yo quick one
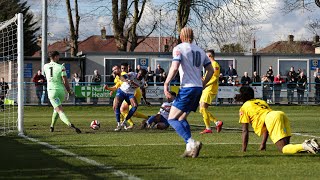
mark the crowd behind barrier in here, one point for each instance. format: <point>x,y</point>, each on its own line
<point>280,95</point>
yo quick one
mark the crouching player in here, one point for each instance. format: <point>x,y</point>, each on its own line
<point>160,120</point>
<point>266,122</point>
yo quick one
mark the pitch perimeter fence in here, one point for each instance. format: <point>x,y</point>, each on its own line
<point>87,94</point>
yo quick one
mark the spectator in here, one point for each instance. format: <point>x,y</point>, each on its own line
<point>129,68</point>
<point>230,82</point>
<point>270,74</point>
<point>267,91</point>
<point>39,81</point>
<point>291,85</point>
<point>4,87</point>
<point>293,73</point>
<point>231,71</point>
<point>76,81</point>
<point>159,71</point>
<point>138,68</point>
<point>245,80</point>
<point>96,81</point>
<point>256,80</point>
<point>317,86</point>
<point>316,72</point>
<point>301,86</point>
<point>163,77</point>
<point>278,81</point>
<point>150,75</point>
<point>222,82</point>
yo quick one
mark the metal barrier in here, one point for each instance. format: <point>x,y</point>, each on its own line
<point>155,96</point>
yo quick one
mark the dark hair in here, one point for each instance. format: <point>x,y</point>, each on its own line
<point>53,54</point>
<point>211,51</point>
<point>124,64</point>
<point>173,93</point>
<point>246,93</point>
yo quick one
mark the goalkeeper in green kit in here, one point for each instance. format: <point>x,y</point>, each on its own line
<point>56,82</point>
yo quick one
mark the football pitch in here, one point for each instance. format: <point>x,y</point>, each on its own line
<point>151,154</point>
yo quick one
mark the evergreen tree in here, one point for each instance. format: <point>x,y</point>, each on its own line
<point>8,10</point>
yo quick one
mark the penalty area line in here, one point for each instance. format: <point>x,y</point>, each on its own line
<point>84,159</point>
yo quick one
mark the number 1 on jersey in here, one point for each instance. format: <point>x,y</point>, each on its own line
<point>51,71</point>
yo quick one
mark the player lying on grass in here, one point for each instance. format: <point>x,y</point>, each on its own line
<point>131,81</point>
<point>266,122</point>
<point>160,120</point>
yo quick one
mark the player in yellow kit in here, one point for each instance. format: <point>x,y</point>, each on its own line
<point>208,95</point>
<point>266,122</point>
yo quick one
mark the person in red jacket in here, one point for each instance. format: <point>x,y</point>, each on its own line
<point>39,81</point>
<point>278,81</point>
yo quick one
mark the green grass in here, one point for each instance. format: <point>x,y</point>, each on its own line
<point>153,154</point>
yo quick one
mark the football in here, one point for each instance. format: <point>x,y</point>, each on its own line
<point>95,125</point>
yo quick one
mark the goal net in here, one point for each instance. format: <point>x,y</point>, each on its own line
<point>11,75</point>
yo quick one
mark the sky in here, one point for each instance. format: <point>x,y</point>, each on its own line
<point>274,24</point>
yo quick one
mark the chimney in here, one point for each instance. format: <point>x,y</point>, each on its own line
<point>166,46</point>
<point>290,38</point>
<point>103,33</point>
<point>316,39</point>
<point>254,50</point>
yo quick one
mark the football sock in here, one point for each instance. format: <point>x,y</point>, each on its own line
<point>130,122</point>
<point>140,115</point>
<point>131,112</point>
<point>180,129</point>
<point>205,116</point>
<point>122,116</point>
<point>292,148</point>
<point>55,117</point>
<point>186,125</point>
<point>151,119</point>
<point>118,114</point>
<point>64,118</point>
<point>211,117</point>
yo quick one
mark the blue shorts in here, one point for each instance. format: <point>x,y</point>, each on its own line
<point>188,99</point>
<point>124,96</point>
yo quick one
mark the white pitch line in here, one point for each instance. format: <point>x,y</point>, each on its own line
<point>84,159</point>
<point>306,135</point>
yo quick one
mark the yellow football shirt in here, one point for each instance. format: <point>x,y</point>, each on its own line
<point>117,81</point>
<point>213,84</point>
<point>254,112</point>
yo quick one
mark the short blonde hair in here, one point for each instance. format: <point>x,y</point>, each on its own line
<point>186,35</point>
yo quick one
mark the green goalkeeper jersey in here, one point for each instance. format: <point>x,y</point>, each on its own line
<point>54,72</point>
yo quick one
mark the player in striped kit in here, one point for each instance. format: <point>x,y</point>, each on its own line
<point>188,59</point>
<point>125,92</point>
<point>160,121</point>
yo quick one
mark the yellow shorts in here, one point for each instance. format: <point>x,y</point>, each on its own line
<point>278,125</point>
<point>207,97</point>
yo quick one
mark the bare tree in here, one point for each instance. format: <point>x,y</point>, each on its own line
<point>74,27</point>
<point>125,23</point>
<point>218,22</point>
<point>291,5</point>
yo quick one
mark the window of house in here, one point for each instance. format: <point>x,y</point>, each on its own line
<point>285,64</point>
<point>224,64</point>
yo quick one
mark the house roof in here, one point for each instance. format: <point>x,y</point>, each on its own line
<point>289,47</point>
<point>97,44</point>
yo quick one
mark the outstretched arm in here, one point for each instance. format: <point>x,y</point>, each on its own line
<point>245,136</point>
<point>265,136</point>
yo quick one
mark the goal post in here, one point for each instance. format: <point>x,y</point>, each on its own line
<point>12,75</point>
<point>20,74</point>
